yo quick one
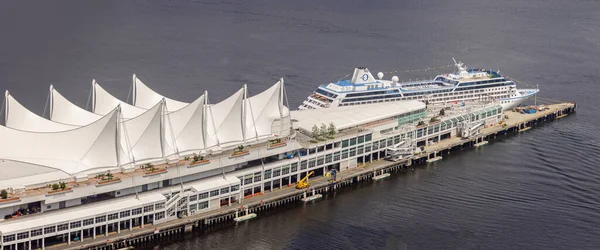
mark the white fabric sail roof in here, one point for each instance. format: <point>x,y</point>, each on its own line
<point>112,141</point>
<point>103,102</point>
<point>224,122</point>
<point>144,135</point>
<point>188,127</point>
<point>262,110</point>
<point>144,97</point>
<point>73,151</point>
<point>64,111</point>
<point>19,117</point>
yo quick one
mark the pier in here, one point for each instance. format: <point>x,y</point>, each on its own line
<point>251,207</point>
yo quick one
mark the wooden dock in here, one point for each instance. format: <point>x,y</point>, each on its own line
<point>319,185</point>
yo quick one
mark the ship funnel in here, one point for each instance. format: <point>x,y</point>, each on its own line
<point>362,75</point>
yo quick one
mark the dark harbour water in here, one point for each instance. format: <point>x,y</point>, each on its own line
<point>535,190</point>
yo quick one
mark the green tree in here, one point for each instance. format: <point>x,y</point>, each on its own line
<point>420,123</point>
<point>442,112</point>
<point>331,129</point>
<point>55,186</point>
<point>433,119</point>
<point>3,194</point>
<point>323,131</point>
<point>62,185</point>
<point>315,132</point>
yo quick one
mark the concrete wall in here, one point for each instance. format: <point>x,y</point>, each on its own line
<point>214,203</point>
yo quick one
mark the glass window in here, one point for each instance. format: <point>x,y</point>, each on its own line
<point>148,208</point>
<point>352,141</point>
<point>359,149</point>
<point>125,214</point>
<point>285,170</point>
<point>276,172</point>
<point>159,216</point>
<point>214,193</point>
<point>225,190</point>
<point>193,197</point>
<point>320,160</point>
<point>344,143</point>
<point>21,236</point>
<point>76,224</point>
<point>205,195</point>
<point>88,222</point>
<point>257,178</point>
<point>303,165</point>
<point>235,188</point>
<point>193,207</point>
<point>294,167</point>
<point>113,216</point>
<point>344,153</point>
<point>361,139</point>
<point>202,205</point>
<point>160,206</point>
<point>247,181</point>
<point>62,227</point>
<point>8,238</point>
<point>368,137</point>
<point>336,156</point>
<point>36,232</point>
<point>311,164</point>
<point>100,219</point>
<point>328,158</point>
<point>138,210</point>
<point>367,148</point>
<point>352,152</point>
<point>268,174</point>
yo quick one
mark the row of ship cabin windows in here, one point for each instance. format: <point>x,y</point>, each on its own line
<point>446,92</point>
<point>371,95</point>
<point>87,222</point>
<point>433,97</point>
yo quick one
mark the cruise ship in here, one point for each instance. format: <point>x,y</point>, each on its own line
<point>467,84</point>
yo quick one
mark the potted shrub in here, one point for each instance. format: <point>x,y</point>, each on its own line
<point>62,185</point>
<point>240,150</point>
<point>3,194</point>
<point>55,187</point>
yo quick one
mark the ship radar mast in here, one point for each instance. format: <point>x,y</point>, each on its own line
<point>462,70</point>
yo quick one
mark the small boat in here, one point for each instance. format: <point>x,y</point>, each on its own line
<point>245,217</point>
<point>524,129</point>
<point>312,197</point>
<point>481,143</point>
<point>434,159</point>
<point>381,176</point>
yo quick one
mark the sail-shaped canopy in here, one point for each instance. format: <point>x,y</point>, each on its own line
<point>73,151</point>
<point>64,111</point>
<point>262,110</point>
<point>103,102</point>
<point>144,135</point>
<point>188,126</point>
<point>21,118</point>
<point>144,97</point>
<point>224,124</point>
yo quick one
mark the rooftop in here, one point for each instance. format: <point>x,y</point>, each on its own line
<point>79,212</point>
<point>352,116</point>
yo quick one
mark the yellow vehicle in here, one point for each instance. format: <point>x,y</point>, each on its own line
<point>304,182</point>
